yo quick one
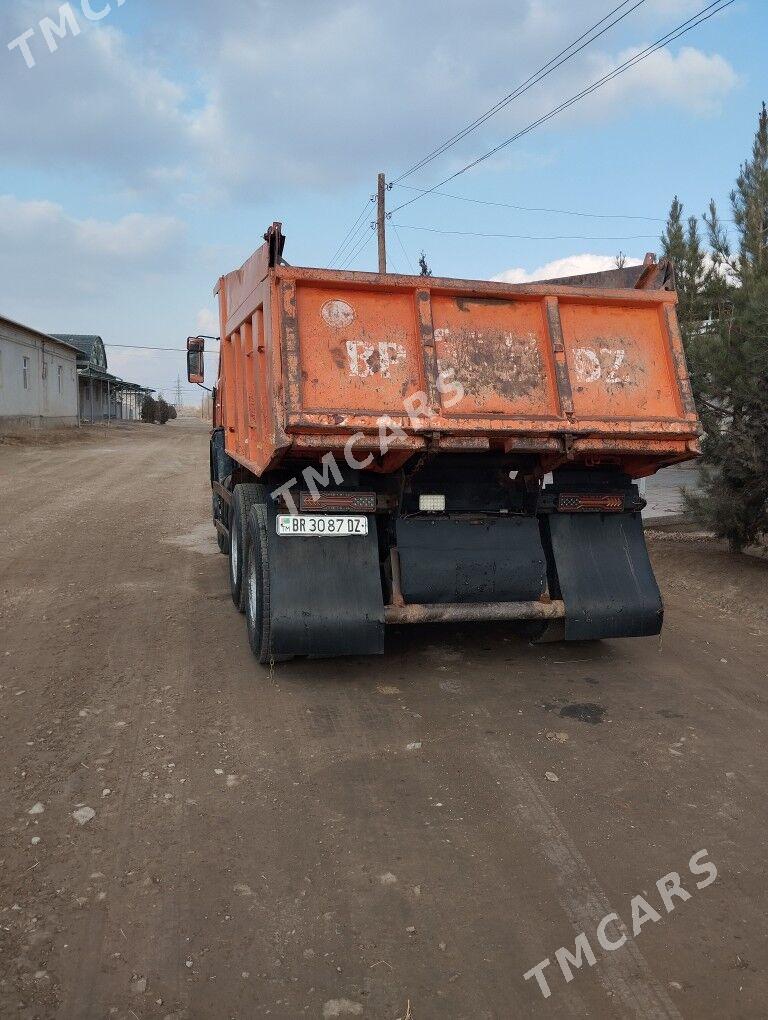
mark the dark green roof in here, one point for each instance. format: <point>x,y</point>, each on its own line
<point>82,342</point>
<point>89,347</point>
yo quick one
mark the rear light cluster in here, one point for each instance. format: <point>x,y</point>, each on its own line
<point>590,502</point>
<point>432,504</point>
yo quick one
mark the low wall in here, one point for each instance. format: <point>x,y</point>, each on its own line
<point>14,423</point>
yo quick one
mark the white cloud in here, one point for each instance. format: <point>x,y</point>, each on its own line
<point>373,85</point>
<point>135,236</point>
<point>250,102</point>
<point>81,246</point>
<point>247,98</point>
<point>207,322</point>
<point>572,265</point>
<point>693,81</point>
<point>93,104</point>
<point>135,280</point>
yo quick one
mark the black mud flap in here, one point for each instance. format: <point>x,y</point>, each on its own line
<point>464,559</point>
<point>604,575</point>
<point>222,464</point>
<point>325,593</point>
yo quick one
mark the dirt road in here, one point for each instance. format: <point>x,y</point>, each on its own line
<point>388,838</point>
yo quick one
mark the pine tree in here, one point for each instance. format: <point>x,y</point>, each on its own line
<point>734,501</point>
<point>148,409</point>
<point>163,412</point>
<point>683,245</point>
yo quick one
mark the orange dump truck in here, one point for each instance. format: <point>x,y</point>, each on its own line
<point>397,449</point>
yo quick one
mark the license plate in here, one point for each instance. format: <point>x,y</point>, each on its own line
<point>321,525</point>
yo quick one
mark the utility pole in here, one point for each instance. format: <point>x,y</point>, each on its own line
<point>380,223</point>
<point>178,392</point>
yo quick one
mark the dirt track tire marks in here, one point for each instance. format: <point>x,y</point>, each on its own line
<point>270,868</point>
<point>624,974</point>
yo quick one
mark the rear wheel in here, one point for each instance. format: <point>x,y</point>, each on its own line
<point>243,498</point>
<point>256,585</point>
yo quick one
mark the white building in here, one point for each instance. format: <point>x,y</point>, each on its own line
<point>38,378</point>
<point>103,397</point>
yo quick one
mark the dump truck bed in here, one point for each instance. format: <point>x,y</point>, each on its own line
<point>574,374</point>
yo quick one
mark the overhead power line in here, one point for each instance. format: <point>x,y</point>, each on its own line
<point>686,26</point>
<point>346,239</point>
<point>536,209</point>
<point>353,236</point>
<point>359,234</point>
<point>407,256</point>
<point>143,347</point>
<point>354,239</point>
<point>527,237</point>
<point>364,242</point>
<point>541,209</point>
<point>543,72</point>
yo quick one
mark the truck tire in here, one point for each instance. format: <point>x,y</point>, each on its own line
<point>243,498</point>
<point>256,585</point>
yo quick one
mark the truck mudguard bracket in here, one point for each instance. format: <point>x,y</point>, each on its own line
<point>222,465</point>
<point>604,575</point>
<point>450,559</point>
<point>325,593</point>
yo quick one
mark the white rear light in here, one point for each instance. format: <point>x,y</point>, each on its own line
<point>432,504</point>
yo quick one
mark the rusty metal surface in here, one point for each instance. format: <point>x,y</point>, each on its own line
<point>490,288</point>
<point>499,351</point>
<point>398,601</point>
<point>533,444</point>
<point>332,502</point>
<point>336,440</point>
<point>463,443</point>
<point>477,611</point>
<point>558,349</point>
<point>310,357</point>
<point>680,365</point>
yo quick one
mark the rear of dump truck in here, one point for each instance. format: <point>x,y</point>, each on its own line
<point>395,449</point>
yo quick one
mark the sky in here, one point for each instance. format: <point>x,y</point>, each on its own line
<point>145,156</point>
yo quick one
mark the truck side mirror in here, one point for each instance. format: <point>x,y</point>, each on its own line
<point>195,359</point>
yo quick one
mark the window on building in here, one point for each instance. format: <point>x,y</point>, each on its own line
<point>60,378</point>
<point>25,372</point>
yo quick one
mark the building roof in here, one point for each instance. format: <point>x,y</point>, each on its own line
<point>51,337</point>
<point>92,353</point>
<point>97,373</point>
<point>83,342</point>
<point>92,350</point>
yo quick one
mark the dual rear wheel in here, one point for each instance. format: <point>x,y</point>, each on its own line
<point>244,498</point>
<point>249,565</point>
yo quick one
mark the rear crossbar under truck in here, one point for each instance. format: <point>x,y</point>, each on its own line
<point>399,449</point>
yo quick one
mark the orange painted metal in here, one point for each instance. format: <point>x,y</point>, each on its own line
<point>310,357</point>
